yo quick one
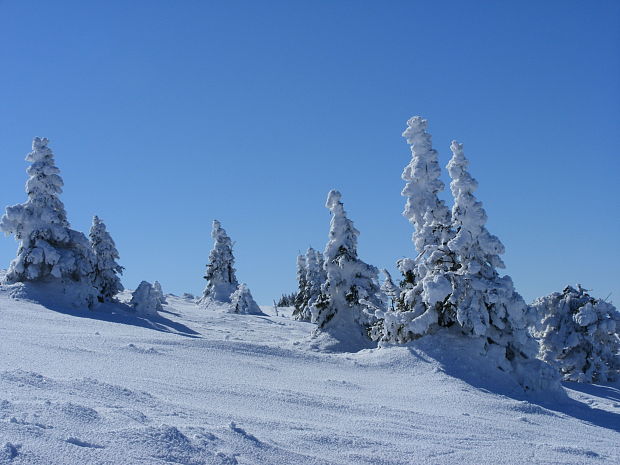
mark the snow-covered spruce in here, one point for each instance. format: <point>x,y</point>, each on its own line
<point>242,302</point>
<point>424,285</point>
<point>106,273</point>
<point>49,250</point>
<point>391,290</point>
<point>159,292</point>
<point>220,274</point>
<point>579,335</point>
<point>483,303</point>
<point>145,301</point>
<point>350,295</point>
<point>301,300</point>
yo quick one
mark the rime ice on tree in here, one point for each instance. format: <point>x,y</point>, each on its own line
<point>301,300</point>
<point>220,274</point>
<point>49,249</point>
<point>242,302</point>
<point>310,276</point>
<point>350,294</point>
<point>159,292</point>
<point>579,335</point>
<point>106,273</point>
<point>145,301</point>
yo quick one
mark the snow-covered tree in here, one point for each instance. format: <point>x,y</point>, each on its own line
<point>301,300</point>
<point>351,294</point>
<point>311,276</point>
<point>242,302</point>
<point>145,301</point>
<point>391,290</point>
<point>220,274</point>
<point>579,335</point>
<point>106,274</point>
<point>424,286</point>
<point>159,292</point>
<point>49,250</point>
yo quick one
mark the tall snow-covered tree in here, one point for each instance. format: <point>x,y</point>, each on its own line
<point>242,302</point>
<point>484,303</point>
<point>302,287</point>
<point>49,250</point>
<point>424,286</point>
<point>579,335</point>
<point>351,294</point>
<point>145,301</point>
<point>106,273</point>
<point>220,274</point>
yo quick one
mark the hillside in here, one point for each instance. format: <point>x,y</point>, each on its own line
<point>199,386</point>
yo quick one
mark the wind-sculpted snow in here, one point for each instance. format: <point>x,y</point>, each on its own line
<point>247,389</point>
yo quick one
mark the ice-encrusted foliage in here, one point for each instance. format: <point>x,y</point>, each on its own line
<point>424,286</point>
<point>311,276</point>
<point>145,301</point>
<point>351,294</point>
<point>220,274</point>
<point>579,335</point>
<point>49,250</point>
<point>391,290</point>
<point>106,273</point>
<point>301,300</point>
<point>242,302</point>
<point>160,293</point>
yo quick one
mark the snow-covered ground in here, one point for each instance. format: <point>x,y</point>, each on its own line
<point>198,386</point>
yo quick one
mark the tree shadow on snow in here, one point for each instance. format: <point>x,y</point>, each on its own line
<point>486,377</point>
<point>116,312</point>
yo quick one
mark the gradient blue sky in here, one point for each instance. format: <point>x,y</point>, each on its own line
<point>166,114</point>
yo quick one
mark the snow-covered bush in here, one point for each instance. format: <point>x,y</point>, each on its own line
<point>145,301</point>
<point>579,335</point>
<point>243,302</point>
<point>49,250</point>
<point>220,274</point>
<point>351,294</point>
<point>159,292</point>
<point>106,273</point>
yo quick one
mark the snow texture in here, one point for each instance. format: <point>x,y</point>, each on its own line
<point>220,274</point>
<point>199,387</point>
<point>106,270</point>
<point>579,335</point>
<point>49,250</point>
<point>145,300</point>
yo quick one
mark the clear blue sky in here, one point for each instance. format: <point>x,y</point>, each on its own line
<point>166,114</point>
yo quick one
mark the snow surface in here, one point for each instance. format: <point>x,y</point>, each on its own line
<point>203,386</point>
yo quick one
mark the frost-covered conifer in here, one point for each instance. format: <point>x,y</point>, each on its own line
<point>242,302</point>
<point>49,250</point>
<point>220,274</point>
<point>424,287</point>
<point>391,290</point>
<point>484,303</point>
<point>579,335</point>
<point>144,300</point>
<point>159,292</point>
<point>351,294</point>
<point>106,274</point>
<point>301,300</point>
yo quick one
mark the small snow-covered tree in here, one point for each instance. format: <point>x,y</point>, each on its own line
<point>391,290</point>
<point>351,294</point>
<point>159,292</point>
<point>301,300</point>
<point>579,335</point>
<point>145,301</point>
<point>106,273</point>
<point>242,302</point>
<point>220,274</point>
<point>49,250</point>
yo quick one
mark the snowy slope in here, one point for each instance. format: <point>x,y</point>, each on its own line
<point>202,386</point>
